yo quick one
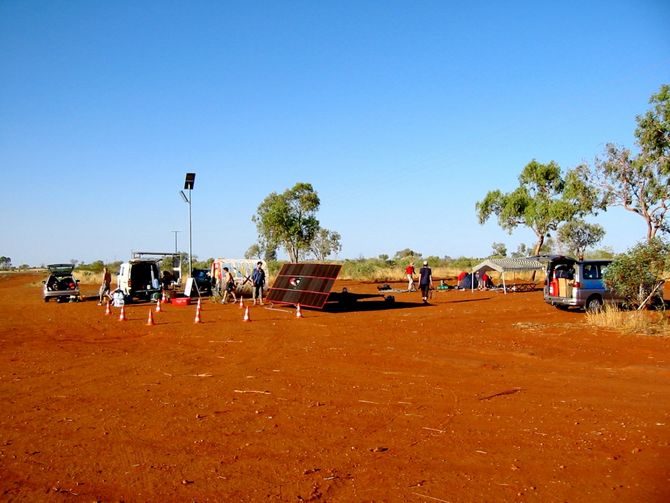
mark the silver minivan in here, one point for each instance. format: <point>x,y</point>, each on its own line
<point>577,283</point>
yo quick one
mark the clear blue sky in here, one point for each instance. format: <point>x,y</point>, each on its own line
<point>401,114</point>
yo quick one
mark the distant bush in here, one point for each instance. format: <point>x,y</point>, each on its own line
<point>367,269</point>
<point>464,263</point>
<point>96,266</point>
<point>600,253</point>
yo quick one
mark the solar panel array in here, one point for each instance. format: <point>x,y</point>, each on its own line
<point>305,284</point>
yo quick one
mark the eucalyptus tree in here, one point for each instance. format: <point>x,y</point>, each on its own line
<point>638,181</point>
<point>288,220</point>
<point>543,200</point>
<point>498,249</point>
<point>576,236</point>
<point>325,243</point>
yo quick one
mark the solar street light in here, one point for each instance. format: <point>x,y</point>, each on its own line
<point>189,182</point>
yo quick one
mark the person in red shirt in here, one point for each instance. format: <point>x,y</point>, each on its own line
<point>409,271</point>
<point>483,281</point>
<point>460,278</point>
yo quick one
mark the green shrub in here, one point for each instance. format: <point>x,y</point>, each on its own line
<point>634,274</point>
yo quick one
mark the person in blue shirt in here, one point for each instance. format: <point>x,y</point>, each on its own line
<point>258,280</point>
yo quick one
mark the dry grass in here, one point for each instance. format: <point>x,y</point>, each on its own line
<point>398,274</point>
<point>631,322</point>
<point>88,277</point>
<point>448,274</point>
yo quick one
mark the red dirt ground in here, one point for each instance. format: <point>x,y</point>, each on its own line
<point>480,396</point>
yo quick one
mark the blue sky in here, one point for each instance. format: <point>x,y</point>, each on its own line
<point>401,114</point>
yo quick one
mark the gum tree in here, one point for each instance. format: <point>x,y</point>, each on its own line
<point>325,243</point>
<point>639,182</point>
<point>288,220</point>
<point>543,200</point>
<point>498,250</point>
<point>578,235</point>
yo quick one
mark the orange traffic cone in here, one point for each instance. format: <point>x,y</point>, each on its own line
<point>150,320</point>
<point>108,311</point>
<point>246,314</point>
<point>241,302</point>
<point>158,305</point>
<point>197,315</point>
<point>122,314</point>
<point>298,313</point>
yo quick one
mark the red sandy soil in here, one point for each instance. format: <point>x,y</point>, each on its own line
<point>479,396</point>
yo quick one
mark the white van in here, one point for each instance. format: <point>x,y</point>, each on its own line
<point>139,279</point>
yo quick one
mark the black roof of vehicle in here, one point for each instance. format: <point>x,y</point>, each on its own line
<point>60,269</point>
<point>555,258</point>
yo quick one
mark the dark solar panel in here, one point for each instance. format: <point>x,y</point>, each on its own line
<point>305,284</point>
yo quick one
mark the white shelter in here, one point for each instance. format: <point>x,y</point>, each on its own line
<point>241,269</point>
<point>507,265</point>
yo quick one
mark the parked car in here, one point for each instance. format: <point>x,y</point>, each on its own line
<point>139,279</point>
<point>60,284</point>
<point>577,283</point>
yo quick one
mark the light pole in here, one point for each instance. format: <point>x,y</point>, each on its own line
<point>188,185</point>
<point>176,260</point>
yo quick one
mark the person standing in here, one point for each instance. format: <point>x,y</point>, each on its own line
<point>167,281</point>
<point>106,286</point>
<point>258,280</point>
<point>425,281</point>
<point>228,285</point>
<point>461,276</point>
<point>484,281</point>
<point>409,272</point>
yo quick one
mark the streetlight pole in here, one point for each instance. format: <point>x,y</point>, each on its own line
<point>176,259</point>
<point>190,236</point>
<point>188,185</point>
<point>175,241</point>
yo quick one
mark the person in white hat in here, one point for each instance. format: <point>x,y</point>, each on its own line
<point>425,281</point>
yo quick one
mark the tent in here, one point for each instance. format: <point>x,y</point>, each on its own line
<point>506,265</point>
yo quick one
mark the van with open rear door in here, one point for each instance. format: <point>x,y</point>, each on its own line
<point>139,279</point>
<point>577,283</point>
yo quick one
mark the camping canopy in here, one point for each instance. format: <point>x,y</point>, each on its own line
<point>503,265</point>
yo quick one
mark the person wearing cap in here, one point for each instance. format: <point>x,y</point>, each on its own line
<point>425,281</point>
